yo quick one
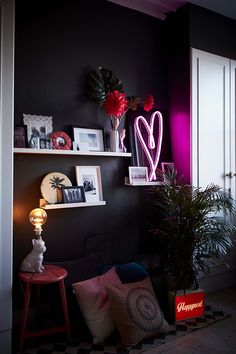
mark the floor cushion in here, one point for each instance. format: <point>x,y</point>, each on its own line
<point>93,301</point>
<point>136,311</point>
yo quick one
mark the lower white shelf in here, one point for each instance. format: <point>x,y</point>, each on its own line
<point>72,205</point>
<point>158,183</point>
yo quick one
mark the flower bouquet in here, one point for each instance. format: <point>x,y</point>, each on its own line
<point>106,90</point>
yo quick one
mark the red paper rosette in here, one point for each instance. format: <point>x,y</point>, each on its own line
<point>61,141</point>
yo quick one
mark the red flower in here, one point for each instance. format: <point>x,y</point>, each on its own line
<point>115,104</point>
<point>148,103</point>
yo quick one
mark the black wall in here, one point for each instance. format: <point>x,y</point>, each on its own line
<point>177,30</point>
<point>57,43</point>
<point>212,32</point>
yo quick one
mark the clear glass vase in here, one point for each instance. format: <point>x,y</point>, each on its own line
<point>114,141</point>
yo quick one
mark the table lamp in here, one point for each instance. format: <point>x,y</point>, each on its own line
<point>38,217</point>
<point>33,261</point>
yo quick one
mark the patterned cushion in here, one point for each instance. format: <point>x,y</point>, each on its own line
<point>93,300</point>
<point>136,311</point>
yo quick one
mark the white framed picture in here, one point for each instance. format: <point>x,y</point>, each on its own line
<point>138,174</point>
<point>167,167</point>
<point>88,139</point>
<point>90,178</point>
<point>39,127</point>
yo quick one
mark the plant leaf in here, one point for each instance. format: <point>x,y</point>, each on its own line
<point>99,82</point>
<point>133,102</point>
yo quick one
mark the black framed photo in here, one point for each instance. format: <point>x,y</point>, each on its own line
<point>88,139</point>
<point>20,136</point>
<point>74,194</point>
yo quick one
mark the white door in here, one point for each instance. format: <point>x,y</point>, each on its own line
<point>233,145</point>
<point>210,119</point>
<point>213,127</point>
<point>233,126</point>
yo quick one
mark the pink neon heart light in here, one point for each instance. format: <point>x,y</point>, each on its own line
<point>151,143</point>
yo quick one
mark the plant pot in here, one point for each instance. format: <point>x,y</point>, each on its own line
<point>171,284</point>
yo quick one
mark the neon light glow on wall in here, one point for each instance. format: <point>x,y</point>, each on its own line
<point>151,143</point>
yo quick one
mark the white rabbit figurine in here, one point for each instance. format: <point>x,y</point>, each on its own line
<point>33,261</point>
<point>122,137</point>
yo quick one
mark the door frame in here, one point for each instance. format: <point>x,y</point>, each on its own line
<point>7,21</point>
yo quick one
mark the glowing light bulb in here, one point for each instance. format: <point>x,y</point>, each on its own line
<point>38,217</point>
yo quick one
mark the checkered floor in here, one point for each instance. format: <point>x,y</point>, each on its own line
<point>179,329</point>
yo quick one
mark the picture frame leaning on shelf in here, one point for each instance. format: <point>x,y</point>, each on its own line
<point>90,178</point>
<point>38,128</point>
<point>74,194</point>
<point>86,139</point>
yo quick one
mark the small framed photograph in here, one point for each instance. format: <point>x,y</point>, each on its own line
<point>61,141</point>
<point>34,142</point>
<point>37,126</point>
<point>88,139</point>
<point>45,143</point>
<point>90,178</point>
<point>167,167</point>
<point>20,136</point>
<point>138,174</point>
<point>74,194</point>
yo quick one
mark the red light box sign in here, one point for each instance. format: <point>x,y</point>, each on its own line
<point>188,304</point>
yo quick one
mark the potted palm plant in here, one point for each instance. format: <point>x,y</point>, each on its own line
<point>191,226</point>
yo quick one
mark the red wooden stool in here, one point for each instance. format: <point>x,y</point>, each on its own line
<point>51,274</point>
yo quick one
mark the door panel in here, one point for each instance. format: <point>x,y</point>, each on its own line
<point>210,119</point>
<point>213,125</point>
<point>233,127</point>
<point>6,170</point>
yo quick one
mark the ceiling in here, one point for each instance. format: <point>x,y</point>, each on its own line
<point>160,8</point>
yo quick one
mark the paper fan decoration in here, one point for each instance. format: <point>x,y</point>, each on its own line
<point>51,187</point>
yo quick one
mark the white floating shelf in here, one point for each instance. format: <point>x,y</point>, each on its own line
<point>72,205</point>
<point>141,183</point>
<point>70,152</point>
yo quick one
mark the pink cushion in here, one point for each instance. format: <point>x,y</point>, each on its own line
<point>93,300</point>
